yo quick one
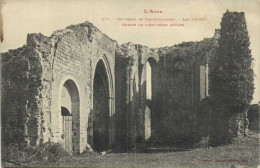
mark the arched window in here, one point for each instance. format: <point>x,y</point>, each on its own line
<point>148,81</point>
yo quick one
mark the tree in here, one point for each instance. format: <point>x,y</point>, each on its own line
<point>231,74</point>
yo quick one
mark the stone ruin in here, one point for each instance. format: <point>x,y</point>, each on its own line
<point>81,88</point>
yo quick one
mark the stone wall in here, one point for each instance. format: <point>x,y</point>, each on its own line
<point>33,78</point>
<point>35,75</point>
<point>25,92</point>
<point>131,94</point>
<point>79,49</point>
<point>177,88</point>
<point>72,54</point>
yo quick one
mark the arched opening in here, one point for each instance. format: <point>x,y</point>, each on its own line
<point>101,111</point>
<point>148,81</point>
<point>70,116</point>
<point>149,96</point>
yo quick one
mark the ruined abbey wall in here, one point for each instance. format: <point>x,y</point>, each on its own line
<point>33,77</point>
<point>104,87</point>
<point>179,85</point>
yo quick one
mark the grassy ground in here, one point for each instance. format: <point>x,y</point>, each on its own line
<point>238,154</point>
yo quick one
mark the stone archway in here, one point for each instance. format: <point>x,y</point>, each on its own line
<point>149,97</point>
<point>70,110</point>
<point>102,116</point>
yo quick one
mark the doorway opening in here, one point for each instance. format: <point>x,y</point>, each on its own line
<point>70,116</point>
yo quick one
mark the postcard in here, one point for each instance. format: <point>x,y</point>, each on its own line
<point>119,83</point>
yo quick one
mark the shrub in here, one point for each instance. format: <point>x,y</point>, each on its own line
<point>253,117</point>
<point>49,151</point>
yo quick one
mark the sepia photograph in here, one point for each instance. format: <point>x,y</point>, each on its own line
<point>130,83</point>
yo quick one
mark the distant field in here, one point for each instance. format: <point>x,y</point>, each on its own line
<point>239,154</point>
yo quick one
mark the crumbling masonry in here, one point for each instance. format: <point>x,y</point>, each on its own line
<point>82,89</point>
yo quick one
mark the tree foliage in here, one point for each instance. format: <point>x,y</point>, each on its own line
<point>232,74</point>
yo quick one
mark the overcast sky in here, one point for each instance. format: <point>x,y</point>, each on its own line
<point>21,17</point>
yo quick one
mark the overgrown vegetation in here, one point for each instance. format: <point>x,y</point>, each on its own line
<point>49,152</point>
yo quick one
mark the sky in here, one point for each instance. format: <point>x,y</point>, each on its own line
<point>21,17</point>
